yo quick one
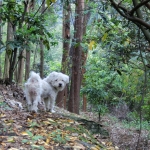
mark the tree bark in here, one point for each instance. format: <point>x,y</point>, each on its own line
<point>27,65</point>
<point>74,98</point>
<point>42,49</point>
<point>84,54</point>
<point>0,43</point>
<point>21,67</point>
<point>61,97</point>
<point>8,51</point>
<point>41,59</point>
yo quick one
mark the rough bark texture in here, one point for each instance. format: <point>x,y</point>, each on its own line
<point>74,98</point>
<point>61,97</point>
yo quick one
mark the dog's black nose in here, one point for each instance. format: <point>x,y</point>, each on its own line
<point>60,84</point>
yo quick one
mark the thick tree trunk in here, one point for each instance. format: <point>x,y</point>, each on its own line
<point>74,98</point>
<point>61,97</point>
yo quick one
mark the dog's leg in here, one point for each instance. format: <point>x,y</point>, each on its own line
<point>52,103</point>
<point>29,102</point>
<point>47,104</point>
<point>35,103</point>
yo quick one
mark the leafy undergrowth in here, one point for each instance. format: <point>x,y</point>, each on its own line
<point>43,131</point>
<point>21,130</point>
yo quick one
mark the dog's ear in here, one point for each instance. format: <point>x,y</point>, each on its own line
<point>52,76</point>
<point>66,78</point>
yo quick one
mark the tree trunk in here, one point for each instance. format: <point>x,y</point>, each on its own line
<point>27,65</point>
<point>74,98</point>
<point>21,67</point>
<point>42,49</point>
<point>41,59</point>
<point>8,51</point>
<point>0,43</point>
<point>84,54</point>
<point>61,97</point>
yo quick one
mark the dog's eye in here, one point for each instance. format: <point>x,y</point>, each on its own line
<point>63,80</point>
<point>56,80</point>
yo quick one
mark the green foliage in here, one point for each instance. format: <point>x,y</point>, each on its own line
<point>59,137</point>
<point>32,138</point>
<point>105,87</point>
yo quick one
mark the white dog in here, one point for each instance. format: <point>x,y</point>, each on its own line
<point>33,90</point>
<point>46,89</point>
<point>57,82</point>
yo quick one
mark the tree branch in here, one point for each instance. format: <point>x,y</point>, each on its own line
<point>136,20</point>
<point>138,6</point>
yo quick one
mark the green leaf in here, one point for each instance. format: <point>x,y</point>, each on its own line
<point>37,137</point>
<point>25,141</point>
<point>29,133</point>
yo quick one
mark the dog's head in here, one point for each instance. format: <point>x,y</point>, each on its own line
<point>58,80</point>
<point>34,77</point>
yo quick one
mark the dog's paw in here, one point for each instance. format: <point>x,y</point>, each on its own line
<point>52,111</point>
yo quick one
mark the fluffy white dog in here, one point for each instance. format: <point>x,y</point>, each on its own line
<point>33,90</point>
<point>57,82</point>
<point>46,89</point>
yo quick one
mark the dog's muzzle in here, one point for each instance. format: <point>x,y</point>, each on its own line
<point>60,85</point>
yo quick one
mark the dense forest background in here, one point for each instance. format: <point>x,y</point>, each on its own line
<point>102,45</point>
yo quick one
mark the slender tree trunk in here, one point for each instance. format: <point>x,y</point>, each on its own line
<point>27,65</point>
<point>0,43</point>
<point>8,50</point>
<point>41,58</point>
<point>12,62</point>
<point>30,6</point>
<point>42,50</point>
<point>61,97</point>
<point>84,55</point>
<point>74,98</point>
<point>21,67</point>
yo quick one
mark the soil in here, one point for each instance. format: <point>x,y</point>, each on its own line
<point>109,132</point>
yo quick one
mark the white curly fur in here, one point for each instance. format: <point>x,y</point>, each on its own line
<point>46,89</point>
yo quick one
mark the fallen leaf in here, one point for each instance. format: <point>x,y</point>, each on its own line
<point>46,122</point>
<point>116,148</point>
<point>111,148</point>
<point>48,140</point>
<point>13,148</point>
<point>51,120</point>
<point>2,115</point>
<point>24,133</point>
<point>95,148</point>
<point>11,140</point>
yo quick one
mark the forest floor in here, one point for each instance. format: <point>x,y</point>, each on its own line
<point>21,130</point>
